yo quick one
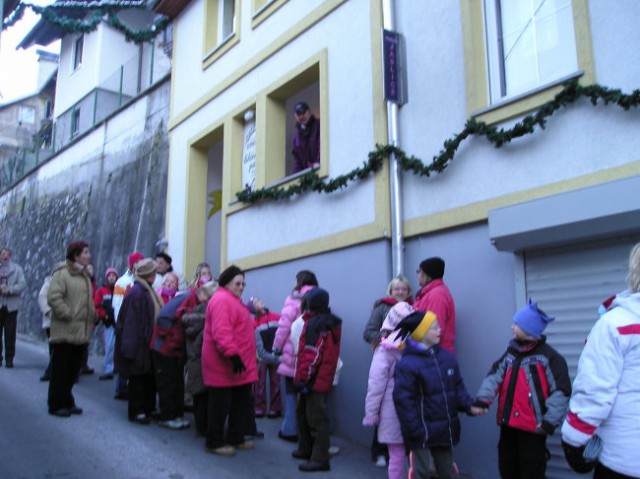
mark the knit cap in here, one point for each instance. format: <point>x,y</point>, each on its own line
<point>110,271</point>
<point>433,267</point>
<point>134,258</point>
<point>396,314</point>
<point>532,320</point>
<point>250,306</point>
<point>317,299</point>
<point>416,325</point>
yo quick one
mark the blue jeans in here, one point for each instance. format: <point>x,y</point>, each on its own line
<point>109,346</point>
<point>289,425</point>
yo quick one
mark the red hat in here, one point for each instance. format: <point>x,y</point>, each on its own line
<point>134,258</point>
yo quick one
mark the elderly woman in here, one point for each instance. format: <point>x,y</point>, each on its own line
<point>73,316</point>
<point>229,365</point>
<point>136,320</point>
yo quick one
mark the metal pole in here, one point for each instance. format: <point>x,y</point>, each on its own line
<point>397,240</point>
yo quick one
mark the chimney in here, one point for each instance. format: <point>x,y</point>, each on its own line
<point>47,63</point>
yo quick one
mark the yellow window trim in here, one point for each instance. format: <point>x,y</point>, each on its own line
<point>211,48</point>
<point>263,9</point>
<point>479,211</point>
<point>476,69</point>
<point>254,62</point>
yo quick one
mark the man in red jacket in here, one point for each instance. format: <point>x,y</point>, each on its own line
<point>435,296</point>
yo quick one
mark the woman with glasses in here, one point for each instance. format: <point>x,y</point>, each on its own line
<point>229,365</point>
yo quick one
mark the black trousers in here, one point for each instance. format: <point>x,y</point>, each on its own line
<point>169,375</point>
<point>142,395</point>
<point>234,404</point>
<point>8,326</point>
<point>313,426</point>
<point>65,363</point>
<point>200,405</point>
<point>521,454</point>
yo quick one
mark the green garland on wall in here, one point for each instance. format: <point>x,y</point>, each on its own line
<point>571,92</point>
<point>101,10</point>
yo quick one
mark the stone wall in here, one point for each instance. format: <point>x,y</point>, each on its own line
<point>108,188</point>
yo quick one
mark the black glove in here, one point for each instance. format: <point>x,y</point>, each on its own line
<point>238,365</point>
<point>575,458</point>
<point>546,428</point>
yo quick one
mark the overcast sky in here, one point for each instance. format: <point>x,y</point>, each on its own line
<point>19,68</point>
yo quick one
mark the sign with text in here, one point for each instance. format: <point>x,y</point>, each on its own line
<point>394,67</point>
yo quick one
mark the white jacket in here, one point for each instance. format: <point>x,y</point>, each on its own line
<point>606,391</point>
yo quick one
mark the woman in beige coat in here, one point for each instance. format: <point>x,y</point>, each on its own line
<point>72,319</point>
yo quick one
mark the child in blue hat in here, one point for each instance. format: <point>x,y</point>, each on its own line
<point>532,382</point>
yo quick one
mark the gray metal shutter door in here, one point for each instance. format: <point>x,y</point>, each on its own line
<point>570,283</point>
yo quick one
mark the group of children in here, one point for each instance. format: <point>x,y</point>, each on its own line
<point>415,391</point>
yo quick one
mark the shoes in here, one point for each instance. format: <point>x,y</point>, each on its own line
<point>184,424</point>
<point>44,377</point>
<point>314,466</point>
<point>257,435</point>
<point>258,413</point>
<point>105,377</point>
<point>86,370</point>
<point>284,437</point>
<point>9,363</point>
<point>171,424</point>
<point>60,413</point>
<point>222,450</point>
<point>244,445</point>
<point>75,410</point>
<point>274,414</point>
<point>298,454</point>
<point>141,419</point>
<point>334,450</point>
<point>121,395</point>
<point>381,461</point>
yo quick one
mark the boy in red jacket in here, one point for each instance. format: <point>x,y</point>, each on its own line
<point>316,366</point>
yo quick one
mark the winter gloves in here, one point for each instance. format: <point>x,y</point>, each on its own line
<point>238,365</point>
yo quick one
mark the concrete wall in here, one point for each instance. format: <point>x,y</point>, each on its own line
<point>109,189</point>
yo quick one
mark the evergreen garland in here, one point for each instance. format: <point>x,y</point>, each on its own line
<point>571,92</point>
<point>101,10</point>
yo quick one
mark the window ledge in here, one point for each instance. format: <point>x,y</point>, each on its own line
<point>505,102</point>
<point>220,49</point>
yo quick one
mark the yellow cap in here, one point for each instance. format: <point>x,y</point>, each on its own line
<point>423,327</point>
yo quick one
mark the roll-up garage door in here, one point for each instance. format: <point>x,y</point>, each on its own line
<point>569,283</point>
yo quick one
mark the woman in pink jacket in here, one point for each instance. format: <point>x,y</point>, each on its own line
<point>228,365</point>
<point>305,280</point>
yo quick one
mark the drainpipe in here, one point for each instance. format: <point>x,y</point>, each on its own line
<point>397,241</point>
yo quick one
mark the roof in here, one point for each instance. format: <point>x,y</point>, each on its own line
<point>43,33</point>
<point>9,7</point>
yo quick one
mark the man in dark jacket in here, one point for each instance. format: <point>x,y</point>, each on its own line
<point>134,327</point>
<point>306,139</point>
<point>316,366</point>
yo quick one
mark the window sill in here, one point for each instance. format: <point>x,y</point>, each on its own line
<point>522,103</point>
<point>223,47</point>
<point>265,11</point>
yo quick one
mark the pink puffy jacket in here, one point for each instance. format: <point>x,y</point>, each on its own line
<point>228,330</point>
<point>290,312</point>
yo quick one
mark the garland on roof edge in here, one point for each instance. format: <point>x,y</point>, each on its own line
<point>571,92</point>
<point>106,10</point>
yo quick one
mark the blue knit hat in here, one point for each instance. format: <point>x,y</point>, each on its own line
<point>532,320</point>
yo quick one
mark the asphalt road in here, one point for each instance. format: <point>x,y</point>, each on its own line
<point>102,443</point>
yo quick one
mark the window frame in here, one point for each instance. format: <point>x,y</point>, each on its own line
<point>77,59</point>
<point>476,66</point>
<point>215,47</point>
<point>75,122</point>
<point>263,9</point>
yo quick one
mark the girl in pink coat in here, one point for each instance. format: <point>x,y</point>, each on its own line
<point>379,407</point>
<point>282,345</point>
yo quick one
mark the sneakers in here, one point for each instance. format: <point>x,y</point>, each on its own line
<point>334,450</point>
<point>244,445</point>
<point>222,450</point>
<point>184,424</point>
<point>141,419</point>
<point>314,466</point>
<point>75,410</point>
<point>171,424</point>
<point>381,461</point>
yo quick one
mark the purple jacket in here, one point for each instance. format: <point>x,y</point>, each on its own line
<point>306,145</point>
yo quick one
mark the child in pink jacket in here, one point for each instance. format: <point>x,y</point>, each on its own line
<point>379,407</point>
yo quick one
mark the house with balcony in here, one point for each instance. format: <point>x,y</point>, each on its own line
<point>517,212</point>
